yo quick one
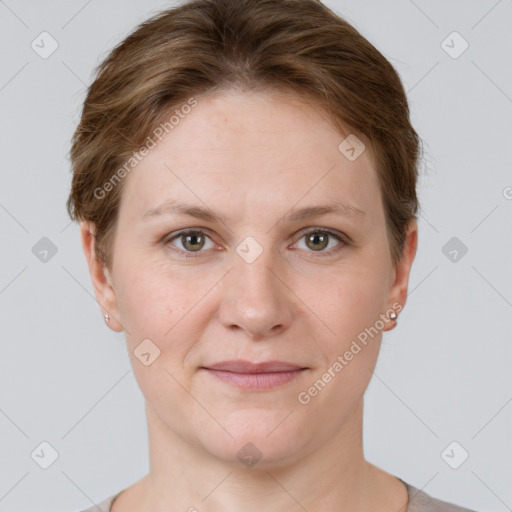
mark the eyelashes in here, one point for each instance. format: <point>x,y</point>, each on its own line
<point>193,235</point>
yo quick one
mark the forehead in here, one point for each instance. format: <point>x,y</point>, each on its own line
<point>264,147</point>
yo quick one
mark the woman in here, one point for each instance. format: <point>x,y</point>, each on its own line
<point>245,178</point>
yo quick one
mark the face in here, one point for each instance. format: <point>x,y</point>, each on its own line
<point>254,280</point>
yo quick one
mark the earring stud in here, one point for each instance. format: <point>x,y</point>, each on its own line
<point>392,315</point>
<point>107,318</point>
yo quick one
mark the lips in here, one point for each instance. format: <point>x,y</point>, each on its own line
<point>240,366</point>
<point>249,376</point>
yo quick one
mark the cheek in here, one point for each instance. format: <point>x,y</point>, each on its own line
<point>351,309</point>
<point>148,304</point>
<point>166,310</point>
<point>154,308</point>
<point>352,301</point>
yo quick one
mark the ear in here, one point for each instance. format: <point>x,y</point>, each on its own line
<point>100,276</point>
<point>397,296</point>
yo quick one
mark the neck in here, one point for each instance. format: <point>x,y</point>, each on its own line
<point>331,476</point>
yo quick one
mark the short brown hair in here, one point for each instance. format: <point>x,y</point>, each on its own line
<point>205,45</point>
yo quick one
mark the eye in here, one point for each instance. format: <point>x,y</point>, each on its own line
<point>318,239</point>
<point>191,241</point>
<point>194,240</point>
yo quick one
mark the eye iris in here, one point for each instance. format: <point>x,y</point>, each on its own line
<point>315,237</point>
<point>194,237</point>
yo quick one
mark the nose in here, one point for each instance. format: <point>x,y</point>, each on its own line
<point>256,298</point>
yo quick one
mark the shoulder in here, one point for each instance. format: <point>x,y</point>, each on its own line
<point>104,506</point>
<point>419,501</point>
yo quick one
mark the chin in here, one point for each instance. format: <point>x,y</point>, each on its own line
<point>258,453</point>
<point>258,442</point>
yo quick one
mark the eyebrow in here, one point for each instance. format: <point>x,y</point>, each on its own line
<point>175,207</point>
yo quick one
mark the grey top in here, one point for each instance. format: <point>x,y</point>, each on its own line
<point>419,501</point>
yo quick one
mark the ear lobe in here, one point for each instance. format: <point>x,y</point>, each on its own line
<point>100,276</point>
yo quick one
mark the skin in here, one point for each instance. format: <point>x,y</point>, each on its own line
<point>253,157</point>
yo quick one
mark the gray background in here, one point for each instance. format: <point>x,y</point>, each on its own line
<point>444,372</point>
